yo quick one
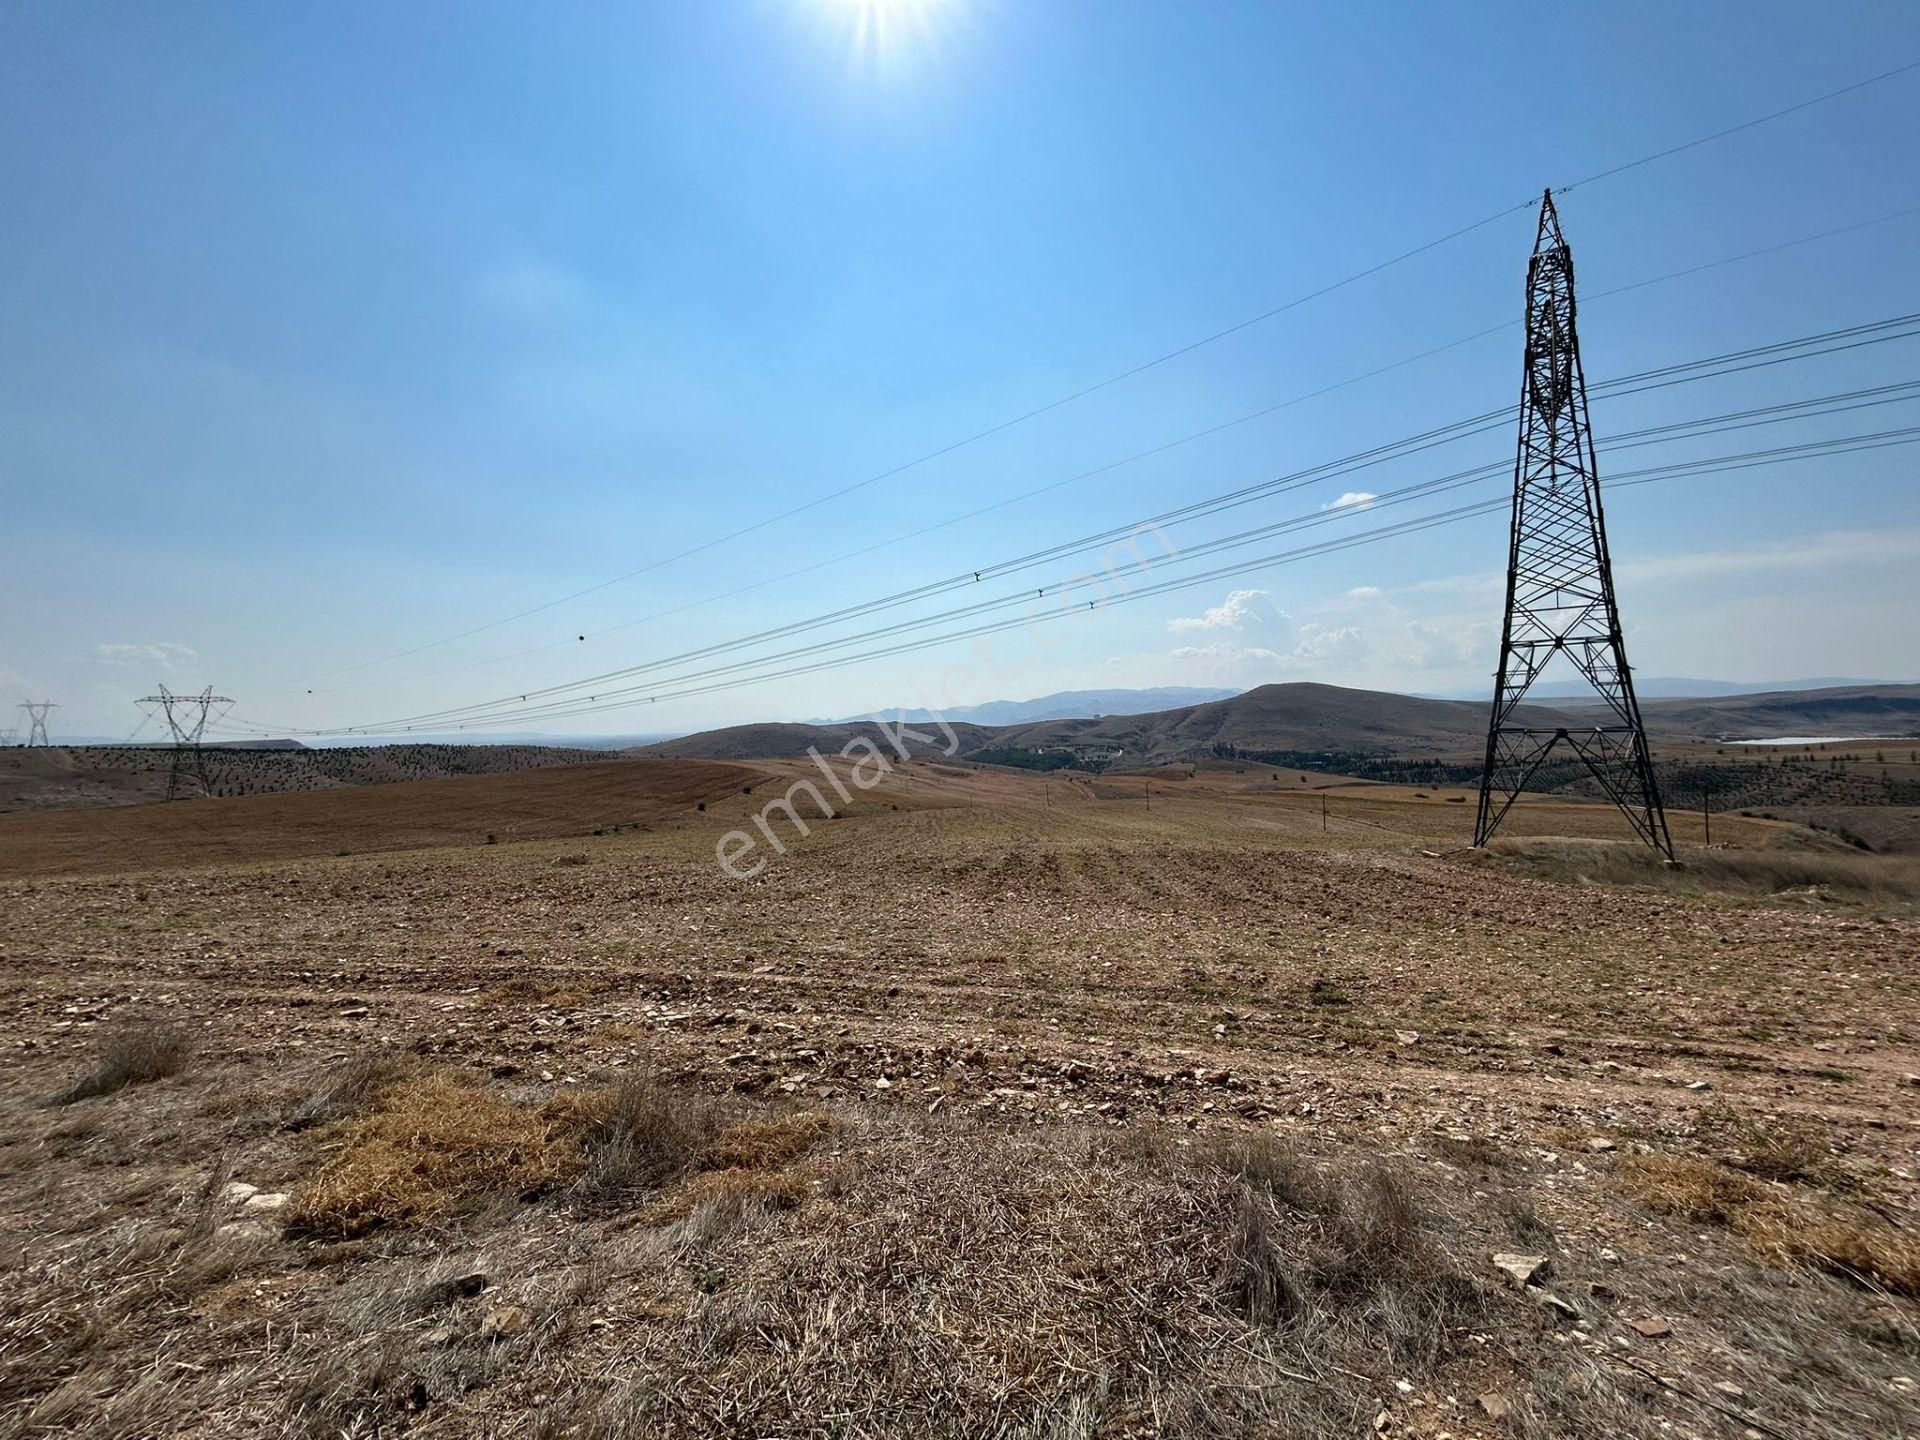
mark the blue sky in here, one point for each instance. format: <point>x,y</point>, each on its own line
<point>333,331</point>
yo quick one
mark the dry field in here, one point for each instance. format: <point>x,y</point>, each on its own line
<point>558,800</point>
<point>59,777</point>
<point>1004,1106</point>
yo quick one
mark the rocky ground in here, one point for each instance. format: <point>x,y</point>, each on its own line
<point>1204,1117</point>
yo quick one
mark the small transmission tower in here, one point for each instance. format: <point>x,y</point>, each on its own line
<point>1559,578</point>
<point>187,719</point>
<point>37,720</point>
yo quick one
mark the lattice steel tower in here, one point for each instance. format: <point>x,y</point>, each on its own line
<point>1560,597</point>
<point>189,761</point>
<point>37,720</point>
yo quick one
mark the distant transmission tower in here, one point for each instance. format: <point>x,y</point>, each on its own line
<point>187,719</point>
<point>37,720</point>
<point>1559,579</point>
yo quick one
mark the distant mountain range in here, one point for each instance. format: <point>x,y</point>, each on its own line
<point>1062,705</point>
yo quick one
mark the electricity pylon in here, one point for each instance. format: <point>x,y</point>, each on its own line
<point>187,719</point>
<point>1560,598</point>
<point>37,720</point>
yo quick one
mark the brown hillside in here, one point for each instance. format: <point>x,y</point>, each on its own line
<point>1842,710</point>
<point>780,741</point>
<point>1287,717</point>
<point>1273,717</point>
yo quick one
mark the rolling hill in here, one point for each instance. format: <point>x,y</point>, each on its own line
<point>1067,705</point>
<point>1847,710</point>
<point>1332,719</point>
<point>1295,717</point>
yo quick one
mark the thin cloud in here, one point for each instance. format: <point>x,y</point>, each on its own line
<point>161,654</point>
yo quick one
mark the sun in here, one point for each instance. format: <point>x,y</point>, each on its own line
<point>879,12</point>
<point>884,32</point>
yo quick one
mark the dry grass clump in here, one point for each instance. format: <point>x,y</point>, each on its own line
<point>1783,1149</point>
<point>747,1164</point>
<point>636,1136</point>
<point>1866,1250</point>
<point>522,989</point>
<point>1699,1190</point>
<point>721,1198</point>
<point>960,1280</point>
<point>133,1054</point>
<point>955,1279</point>
<point>431,1145</point>
<point>641,1137</point>
<point>1313,1243</point>
<point>1774,1227</point>
<point>344,1091</point>
<point>78,1286</point>
<point>763,1144</point>
<point>1473,1152</point>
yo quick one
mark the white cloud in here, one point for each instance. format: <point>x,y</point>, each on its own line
<point>1224,652</point>
<point>1240,609</point>
<point>1352,500</point>
<point>1329,645</point>
<point>158,653</point>
<point>1314,648</point>
<point>1365,592</point>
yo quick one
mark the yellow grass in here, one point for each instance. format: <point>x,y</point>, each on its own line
<point>431,1145</point>
<point>1809,1231</point>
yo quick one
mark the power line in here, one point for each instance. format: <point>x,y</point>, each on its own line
<point>1627,440</point>
<point>1127,373</point>
<point>1492,471</point>
<point>1112,465</point>
<point>1743,125</point>
<point>943,450</point>
<point>1665,434</point>
<point>1465,512</point>
<point>602,703</point>
<point>1828,342</point>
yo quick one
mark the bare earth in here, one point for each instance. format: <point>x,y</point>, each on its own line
<point>1032,1078</point>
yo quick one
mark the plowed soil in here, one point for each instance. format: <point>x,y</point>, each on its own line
<point>1212,957</point>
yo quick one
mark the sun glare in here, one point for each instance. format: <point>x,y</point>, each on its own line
<point>886,33</point>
